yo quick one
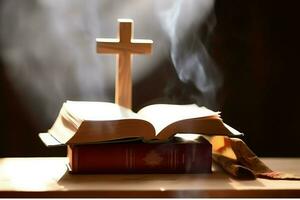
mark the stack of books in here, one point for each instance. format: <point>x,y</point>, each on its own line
<point>103,137</point>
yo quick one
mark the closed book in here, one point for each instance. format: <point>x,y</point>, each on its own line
<point>176,156</point>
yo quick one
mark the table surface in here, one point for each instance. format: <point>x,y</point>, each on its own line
<point>49,177</point>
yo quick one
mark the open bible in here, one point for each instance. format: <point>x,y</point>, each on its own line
<point>83,122</point>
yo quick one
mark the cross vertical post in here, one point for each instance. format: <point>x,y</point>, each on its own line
<point>124,47</point>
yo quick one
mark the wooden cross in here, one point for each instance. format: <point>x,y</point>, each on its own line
<point>124,46</point>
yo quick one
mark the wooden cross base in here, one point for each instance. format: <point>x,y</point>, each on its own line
<point>124,46</point>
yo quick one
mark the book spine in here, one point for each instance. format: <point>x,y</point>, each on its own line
<point>140,158</point>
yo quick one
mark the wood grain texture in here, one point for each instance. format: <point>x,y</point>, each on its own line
<point>124,46</point>
<point>48,177</point>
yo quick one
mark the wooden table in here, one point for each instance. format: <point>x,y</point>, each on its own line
<point>48,177</point>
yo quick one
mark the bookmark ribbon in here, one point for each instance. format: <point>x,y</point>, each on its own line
<point>238,160</point>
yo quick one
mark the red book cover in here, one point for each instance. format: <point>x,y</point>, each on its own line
<point>138,157</point>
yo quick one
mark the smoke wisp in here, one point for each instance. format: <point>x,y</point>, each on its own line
<point>180,20</point>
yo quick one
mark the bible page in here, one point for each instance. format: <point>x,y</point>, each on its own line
<point>162,115</point>
<point>98,111</point>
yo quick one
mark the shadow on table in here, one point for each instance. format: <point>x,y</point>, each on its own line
<point>217,180</point>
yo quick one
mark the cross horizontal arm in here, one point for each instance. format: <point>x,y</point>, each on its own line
<point>108,46</point>
<point>112,46</point>
<point>140,46</point>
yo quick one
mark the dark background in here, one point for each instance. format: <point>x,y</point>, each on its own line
<point>255,44</point>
